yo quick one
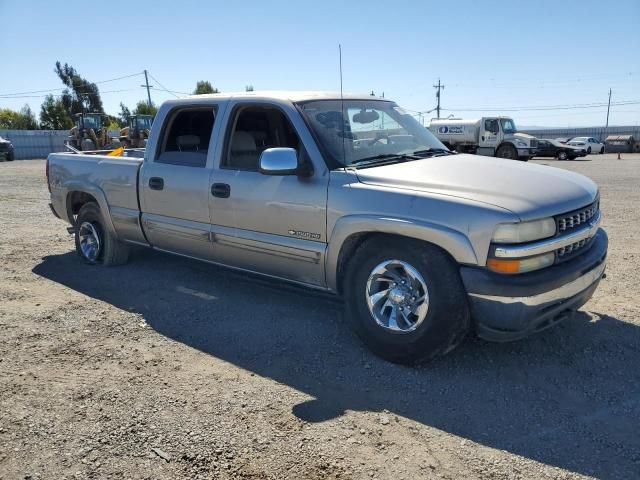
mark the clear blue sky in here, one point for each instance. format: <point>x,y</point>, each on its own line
<point>489,54</point>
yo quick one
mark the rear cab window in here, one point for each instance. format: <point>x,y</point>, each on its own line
<point>186,137</point>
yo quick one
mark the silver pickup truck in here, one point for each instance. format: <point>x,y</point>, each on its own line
<point>353,196</point>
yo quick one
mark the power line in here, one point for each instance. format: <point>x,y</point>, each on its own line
<point>81,93</point>
<point>8,95</point>
<point>543,107</point>
<point>163,87</point>
<point>120,78</point>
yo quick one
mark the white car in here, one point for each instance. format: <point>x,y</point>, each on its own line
<point>590,144</point>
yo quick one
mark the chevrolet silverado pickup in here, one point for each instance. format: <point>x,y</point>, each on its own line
<point>353,196</point>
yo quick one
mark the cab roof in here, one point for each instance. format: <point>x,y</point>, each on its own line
<point>292,96</point>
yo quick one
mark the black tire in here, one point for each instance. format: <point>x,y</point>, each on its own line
<point>562,155</point>
<point>110,252</point>
<point>87,145</point>
<point>507,151</point>
<point>11,157</point>
<point>447,319</point>
<point>589,151</point>
<point>602,151</point>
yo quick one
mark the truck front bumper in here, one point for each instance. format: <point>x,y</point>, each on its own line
<point>526,152</point>
<point>510,307</point>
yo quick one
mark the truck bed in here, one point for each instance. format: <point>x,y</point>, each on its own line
<point>113,181</point>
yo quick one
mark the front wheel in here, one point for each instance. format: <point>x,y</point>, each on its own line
<point>87,145</point>
<point>601,150</point>
<point>405,299</point>
<point>507,151</point>
<point>562,155</point>
<point>589,151</point>
<point>94,243</point>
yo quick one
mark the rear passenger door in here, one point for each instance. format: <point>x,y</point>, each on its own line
<point>174,183</point>
<point>269,224</point>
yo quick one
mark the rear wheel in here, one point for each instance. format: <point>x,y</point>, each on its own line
<point>94,243</point>
<point>507,151</point>
<point>405,299</point>
<point>562,155</point>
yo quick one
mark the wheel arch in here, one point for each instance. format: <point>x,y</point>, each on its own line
<point>78,194</point>
<point>507,143</point>
<point>350,232</point>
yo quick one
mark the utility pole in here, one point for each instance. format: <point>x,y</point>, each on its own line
<point>606,128</point>
<point>438,87</point>
<point>146,84</point>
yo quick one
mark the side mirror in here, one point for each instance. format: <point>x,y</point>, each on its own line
<point>281,161</point>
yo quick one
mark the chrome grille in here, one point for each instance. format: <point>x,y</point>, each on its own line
<point>576,219</point>
<point>567,250</point>
<point>534,143</point>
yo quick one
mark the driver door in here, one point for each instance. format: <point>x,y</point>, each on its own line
<point>274,225</point>
<point>489,133</point>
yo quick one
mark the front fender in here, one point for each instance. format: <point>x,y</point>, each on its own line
<point>452,241</point>
<point>93,190</point>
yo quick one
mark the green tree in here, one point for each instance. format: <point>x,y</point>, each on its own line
<point>203,87</point>
<point>123,116</point>
<point>143,108</point>
<point>53,115</point>
<point>22,120</point>
<point>80,94</point>
<point>29,121</point>
<point>112,122</point>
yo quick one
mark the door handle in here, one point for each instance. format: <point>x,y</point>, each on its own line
<point>156,183</point>
<point>221,190</point>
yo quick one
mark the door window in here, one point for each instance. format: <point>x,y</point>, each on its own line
<point>253,130</point>
<point>491,126</point>
<point>186,137</point>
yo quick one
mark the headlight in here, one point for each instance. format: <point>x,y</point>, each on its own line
<point>522,143</point>
<point>524,231</point>
<point>521,265</point>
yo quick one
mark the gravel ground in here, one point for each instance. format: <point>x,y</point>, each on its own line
<point>169,368</point>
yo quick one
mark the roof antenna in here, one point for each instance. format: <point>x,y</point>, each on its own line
<point>344,155</point>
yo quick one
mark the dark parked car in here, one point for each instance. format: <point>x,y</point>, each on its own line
<point>6,150</point>
<point>561,151</point>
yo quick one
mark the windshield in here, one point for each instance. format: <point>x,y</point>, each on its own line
<point>144,122</point>
<point>92,121</point>
<point>368,129</point>
<point>508,125</point>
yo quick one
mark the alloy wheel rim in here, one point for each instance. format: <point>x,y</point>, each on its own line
<point>397,296</point>
<point>89,241</point>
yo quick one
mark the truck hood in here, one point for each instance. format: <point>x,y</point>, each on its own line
<point>528,190</point>
<point>523,136</point>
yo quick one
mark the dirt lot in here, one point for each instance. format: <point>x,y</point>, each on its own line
<point>169,368</point>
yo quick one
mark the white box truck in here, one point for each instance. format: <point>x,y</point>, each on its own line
<point>490,136</point>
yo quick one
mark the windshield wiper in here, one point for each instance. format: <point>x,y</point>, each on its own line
<point>383,158</point>
<point>433,151</point>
